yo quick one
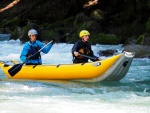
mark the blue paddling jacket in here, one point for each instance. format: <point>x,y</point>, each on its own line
<point>30,48</point>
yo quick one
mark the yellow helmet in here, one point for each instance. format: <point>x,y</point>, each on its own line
<point>83,33</point>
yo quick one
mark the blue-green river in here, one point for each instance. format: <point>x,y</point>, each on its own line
<point>129,95</point>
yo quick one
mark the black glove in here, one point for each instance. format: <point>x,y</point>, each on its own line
<point>30,56</point>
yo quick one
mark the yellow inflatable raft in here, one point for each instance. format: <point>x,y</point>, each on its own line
<point>110,69</point>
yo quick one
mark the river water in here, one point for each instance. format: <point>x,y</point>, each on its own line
<point>129,95</point>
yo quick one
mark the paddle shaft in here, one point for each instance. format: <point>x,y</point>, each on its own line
<point>93,58</point>
<point>12,71</point>
<point>44,46</point>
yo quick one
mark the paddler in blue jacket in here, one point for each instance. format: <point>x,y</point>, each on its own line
<point>31,47</point>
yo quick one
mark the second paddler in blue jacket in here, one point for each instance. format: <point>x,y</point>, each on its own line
<point>33,46</point>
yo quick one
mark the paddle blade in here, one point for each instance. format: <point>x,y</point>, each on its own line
<point>15,69</point>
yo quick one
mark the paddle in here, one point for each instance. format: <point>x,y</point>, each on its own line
<point>93,58</point>
<point>17,67</point>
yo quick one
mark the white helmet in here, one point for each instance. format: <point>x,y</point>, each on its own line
<point>32,32</point>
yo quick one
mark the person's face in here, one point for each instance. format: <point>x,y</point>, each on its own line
<point>85,38</point>
<point>33,37</point>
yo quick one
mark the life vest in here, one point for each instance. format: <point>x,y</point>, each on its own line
<point>32,51</point>
<point>85,51</point>
<point>83,48</point>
